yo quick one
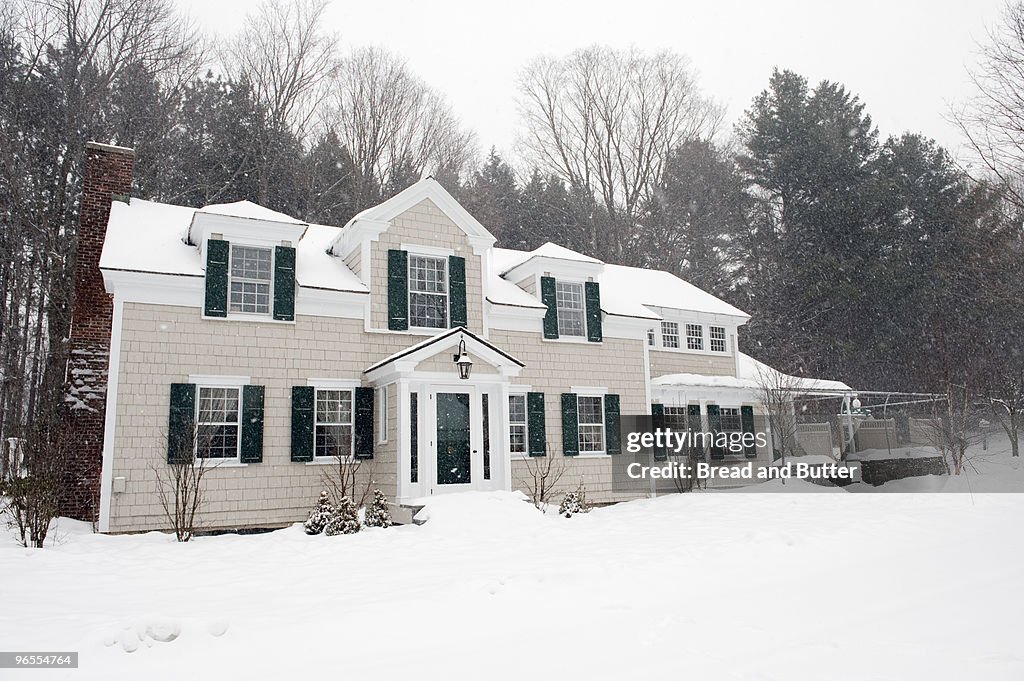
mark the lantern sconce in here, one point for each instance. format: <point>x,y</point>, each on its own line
<point>462,361</point>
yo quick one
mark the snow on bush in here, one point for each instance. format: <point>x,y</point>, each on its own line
<point>345,519</point>
<point>318,517</point>
<point>378,514</point>
<point>574,502</point>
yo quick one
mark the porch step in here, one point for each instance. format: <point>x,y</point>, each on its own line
<point>404,514</point>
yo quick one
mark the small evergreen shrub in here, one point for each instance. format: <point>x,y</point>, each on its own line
<point>345,519</point>
<point>378,514</point>
<point>318,517</point>
<point>575,502</point>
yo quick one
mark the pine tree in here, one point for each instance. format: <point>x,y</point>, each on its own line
<point>321,513</point>
<point>378,514</point>
<point>345,519</point>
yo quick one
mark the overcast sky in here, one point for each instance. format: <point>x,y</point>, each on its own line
<point>906,59</point>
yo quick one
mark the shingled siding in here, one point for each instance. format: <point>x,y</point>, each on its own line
<point>424,224</point>
<point>665,362</point>
<point>554,367</point>
<point>161,345</point>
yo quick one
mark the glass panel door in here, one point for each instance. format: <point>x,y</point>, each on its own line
<point>453,445</point>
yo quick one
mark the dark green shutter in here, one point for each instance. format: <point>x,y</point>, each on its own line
<point>284,283</point>
<point>612,428</point>
<point>398,290</point>
<point>217,254</point>
<point>658,421</point>
<point>457,291</point>
<point>364,423</point>
<point>593,296</point>
<point>694,426</point>
<point>535,424</point>
<point>252,424</point>
<point>570,425</point>
<point>747,419</point>
<point>303,397</point>
<point>715,428</point>
<point>181,423</point>
<point>549,298</point>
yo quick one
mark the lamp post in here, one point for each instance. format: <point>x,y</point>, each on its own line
<point>462,361</point>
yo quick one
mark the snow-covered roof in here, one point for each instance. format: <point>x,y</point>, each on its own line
<point>750,375</point>
<point>250,210</point>
<point>146,236</point>
<point>625,291</point>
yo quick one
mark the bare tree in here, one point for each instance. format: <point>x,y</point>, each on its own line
<point>993,120</point>
<point>392,123</point>
<point>288,59</point>
<point>1006,400</point>
<point>30,495</point>
<point>542,476</point>
<point>777,392</point>
<point>605,121</point>
<point>180,482</point>
<point>350,477</point>
<point>956,426</point>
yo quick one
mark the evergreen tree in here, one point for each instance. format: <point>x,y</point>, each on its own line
<point>345,519</point>
<point>378,514</point>
<point>317,519</point>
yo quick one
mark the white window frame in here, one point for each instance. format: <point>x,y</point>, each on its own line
<point>712,339</point>
<point>351,423</point>
<point>447,289</point>
<point>737,413</point>
<point>699,339</point>
<point>382,421</point>
<point>579,287</point>
<point>232,279</point>
<point>666,324</point>
<point>651,338</point>
<point>525,423</point>
<point>579,426</point>
<point>218,461</point>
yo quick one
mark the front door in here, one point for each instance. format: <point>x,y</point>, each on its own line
<point>454,451</point>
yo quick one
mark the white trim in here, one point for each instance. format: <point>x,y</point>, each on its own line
<point>333,383</point>
<point>520,388</point>
<point>110,414</point>
<point>382,415</point>
<point>588,391</point>
<point>156,288</point>
<point>218,381</point>
<point>434,251</point>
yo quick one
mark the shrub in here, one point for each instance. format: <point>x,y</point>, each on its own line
<point>378,514</point>
<point>345,519</point>
<point>320,515</point>
<point>575,502</point>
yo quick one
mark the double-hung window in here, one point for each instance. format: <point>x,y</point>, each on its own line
<point>250,277</point>
<point>571,312</point>
<point>716,336</point>
<point>670,334</point>
<point>590,412</point>
<point>217,423</point>
<point>517,424</point>
<point>333,436</point>
<point>732,422</point>
<point>694,337</point>
<point>428,292</point>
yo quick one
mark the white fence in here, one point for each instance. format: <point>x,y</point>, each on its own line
<point>815,438</point>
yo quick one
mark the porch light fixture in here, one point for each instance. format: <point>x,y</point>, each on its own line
<point>462,361</point>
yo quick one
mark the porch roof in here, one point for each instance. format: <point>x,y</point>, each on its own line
<point>750,375</point>
<point>440,338</point>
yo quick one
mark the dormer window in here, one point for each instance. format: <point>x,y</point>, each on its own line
<point>250,278</point>
<point>428,292</point>
<point>571,311</point>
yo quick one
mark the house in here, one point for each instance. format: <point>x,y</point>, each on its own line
<point>271,347</point>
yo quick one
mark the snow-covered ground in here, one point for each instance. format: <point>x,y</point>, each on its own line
<point>705,585</point>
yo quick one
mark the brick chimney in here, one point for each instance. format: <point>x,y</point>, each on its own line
<point>107,178</point>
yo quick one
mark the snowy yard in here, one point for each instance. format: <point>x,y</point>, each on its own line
<point>715,586</point>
